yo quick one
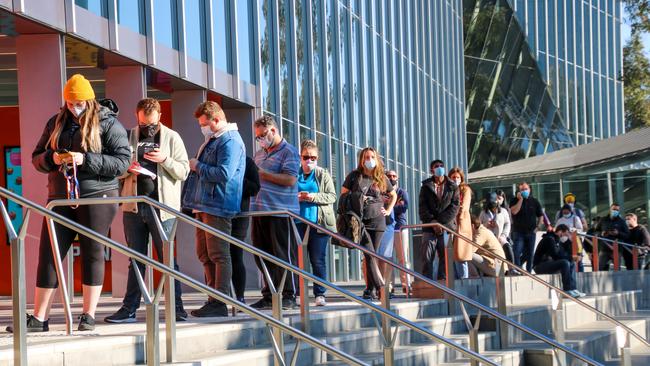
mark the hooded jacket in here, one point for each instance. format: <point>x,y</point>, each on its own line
<point>99,171</point>
<point>442,211</point>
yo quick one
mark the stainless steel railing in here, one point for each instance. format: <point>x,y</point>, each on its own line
<point>537,279</point>
<point>18,289</point>
<point>449,292</point>
<point>389,336</point>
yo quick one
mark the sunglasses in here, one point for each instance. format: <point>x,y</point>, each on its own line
<point>307,157</point>
<point>391,176</point>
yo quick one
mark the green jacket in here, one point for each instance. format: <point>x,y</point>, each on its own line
<point>171,173</point>
<point>325,199</point>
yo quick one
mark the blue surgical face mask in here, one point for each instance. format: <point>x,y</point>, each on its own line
<point>525,193</point>
<point>370,163</point>
<point>566,216</point>
<point>439,171</point>
<point>615,213</point>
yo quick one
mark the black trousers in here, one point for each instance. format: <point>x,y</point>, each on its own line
<point>239,230</point>
<point>373,279</point>
<point>95,217</point>
<point>274,235</point>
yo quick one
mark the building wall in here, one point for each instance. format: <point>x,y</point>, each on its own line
<point>577,44</point>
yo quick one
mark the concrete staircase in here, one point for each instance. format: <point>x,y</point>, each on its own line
<point>243,341</point>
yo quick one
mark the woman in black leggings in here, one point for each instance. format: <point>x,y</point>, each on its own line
<point>88,135</point>
<point>370,180</point>
<point>240,228</point>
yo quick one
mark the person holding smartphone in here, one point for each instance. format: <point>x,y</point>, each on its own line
<point>159,150</point>
<point>316,196</point>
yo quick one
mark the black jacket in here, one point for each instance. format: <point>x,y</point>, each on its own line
<point>442,211</point>
<point>550,249</point>
<point>251,184</point>
<point>639,236</point>
<point>608,223</point>
<point>99,171</point>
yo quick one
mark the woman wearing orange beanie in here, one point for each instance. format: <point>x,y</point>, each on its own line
<point>87,135</point>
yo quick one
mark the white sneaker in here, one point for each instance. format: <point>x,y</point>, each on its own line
<point>320,301</point>
<point>575,293</point>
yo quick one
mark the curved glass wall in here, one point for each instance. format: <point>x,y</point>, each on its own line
<point>510,113</point>
<point>578,46</point>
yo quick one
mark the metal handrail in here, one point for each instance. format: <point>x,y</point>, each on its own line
<point>536,279</point>
<point>626,245</point>
<point>435,284</point>
<point>19,322</point>
<point>387,314</point>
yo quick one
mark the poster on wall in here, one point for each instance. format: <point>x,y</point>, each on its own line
<point>14,179</point>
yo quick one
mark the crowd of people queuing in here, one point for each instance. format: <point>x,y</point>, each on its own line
<point>221,181</point>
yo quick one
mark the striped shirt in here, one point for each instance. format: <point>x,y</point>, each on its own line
<point>272,197</point>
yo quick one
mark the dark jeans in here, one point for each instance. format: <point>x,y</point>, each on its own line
<point>239,231</point>
<point>94,217</point>
<point>524,249</point>
<point>605,256</point>
<point>273,235</point>
<point>137,227</point>
<point>433,246</point>
<point>317,247</point>
<point>214,253</point>
<point>566,269</point>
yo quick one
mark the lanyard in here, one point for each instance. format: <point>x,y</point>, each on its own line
<point>72,184</point>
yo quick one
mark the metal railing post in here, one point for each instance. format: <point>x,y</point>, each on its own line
<point>149,270</point>
<point>389,346</point>
<point>56,254</point>
<point>18,296</point>
<point>276,303</point>
<point>595,260</point>
<point>170,296</point>
<point>70,274</point>
<point>303,284</point>
<point>557,324</point>
<point>450,272</point>
<point>502,306</point>
<point>623,344</point>
<point>616,255</point>
<point>473,344</point>
<point>153,334</point>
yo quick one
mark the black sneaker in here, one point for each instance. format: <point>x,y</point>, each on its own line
<point>33,325</point>
<point>122,315</point>
<point>369,295</point>
<point>289,304</point>
<point>263,304</point>
<point>86,322</point>
<point>181,314</point>
<point>211,309</point>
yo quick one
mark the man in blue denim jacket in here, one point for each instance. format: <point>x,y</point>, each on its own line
<point>213,192</point>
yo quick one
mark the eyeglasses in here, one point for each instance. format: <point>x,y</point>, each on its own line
<point>307,157</point>
<point>391,175</point>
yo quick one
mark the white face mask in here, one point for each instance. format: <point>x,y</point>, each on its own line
<point>77,110</point>
<point>499,202</point>
<point>370,164</point>
<point>312,164</point>
<point>563,239</point>
<point>266,142</point>
<point>207,131</point>
<point>458,181</point>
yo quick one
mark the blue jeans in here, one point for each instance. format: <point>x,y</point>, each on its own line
<point>386,244</point>
<point>565,268</point>
<point>137,227</point>
<point>524,249</point>
<point>317,248</point>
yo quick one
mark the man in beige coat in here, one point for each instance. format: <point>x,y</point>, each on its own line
<point>159,165</point>
<point>484,258</point>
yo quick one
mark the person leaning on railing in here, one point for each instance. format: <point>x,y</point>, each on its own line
<point>611,227</point>
<point>88,135</point>
<point>640,237</point>
<point>316,194</point>
<point>161,151</point>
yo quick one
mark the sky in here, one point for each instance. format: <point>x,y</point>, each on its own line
<point>626,30</point>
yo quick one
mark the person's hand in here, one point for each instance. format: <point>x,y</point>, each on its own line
<point>156,156</point>
<point>57,158</point>
<point>303,197</point>
<point>577,258</point>
<point>614,232</point>
<point>502,240</point>
<point>133,167</point>
<point>519,197</point>
<point>386,212</point>
<point>437,230</point>
<point>77,158</point>
<point>193,163</point>
<point>309,197</point>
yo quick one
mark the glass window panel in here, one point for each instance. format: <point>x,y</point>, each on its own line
<point>130,13</point>
<point>195,29</point>
<point>221,37</point>
<point>332,67</point>
<point>99,7</point>
<point>285,82</point>
<point>266,51</point>
<point>303,93</point>
<point>356,124</point>
<point>345,83</point>
<point>165,24</point>
<point>319,92</point>
<point>551,27</point>
<point>245,40</point>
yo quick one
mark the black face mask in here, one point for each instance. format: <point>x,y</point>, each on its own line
<point>149,130</point>
<point>393,182</point>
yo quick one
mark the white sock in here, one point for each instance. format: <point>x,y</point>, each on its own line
<point>39,319</point>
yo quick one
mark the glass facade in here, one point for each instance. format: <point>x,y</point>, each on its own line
<point>510,112</point>
<point>578,42</point>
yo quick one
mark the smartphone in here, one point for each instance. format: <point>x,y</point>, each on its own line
<point>149,148</point>
<point>64,154</point>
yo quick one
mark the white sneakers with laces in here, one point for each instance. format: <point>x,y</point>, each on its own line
<point>320,301</point>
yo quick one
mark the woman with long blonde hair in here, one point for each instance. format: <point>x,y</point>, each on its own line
<point>83,150</point>
<point>370,181</point>
<point>463,251</point>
